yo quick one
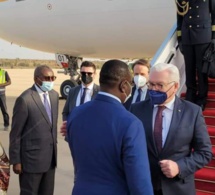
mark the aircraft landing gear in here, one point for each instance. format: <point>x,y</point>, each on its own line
<point>70,65</point>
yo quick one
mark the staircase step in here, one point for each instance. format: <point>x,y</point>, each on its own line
<point>211,131</point>
<point>210,120</point>
<point>212,162</point>
<point>211,94</point>
<point>211,80</point>
<point>210,104</point>
<point>211,87</point>
<point>209,112</point>
<point>204,193</point>
<point>209,115</point>
<point>205,179</point>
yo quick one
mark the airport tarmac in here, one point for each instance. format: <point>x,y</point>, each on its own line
<point>21,80</point>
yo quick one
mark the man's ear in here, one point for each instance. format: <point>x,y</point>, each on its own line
<point>176,87</point>
<point>122,87</point>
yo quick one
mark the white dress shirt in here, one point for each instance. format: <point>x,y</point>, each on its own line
<point>88,96</point>
<point>143,95</point>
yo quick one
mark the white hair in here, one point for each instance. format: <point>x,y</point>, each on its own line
<point>170,68</point>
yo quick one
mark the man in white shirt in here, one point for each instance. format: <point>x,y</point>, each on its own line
<point>84,92</point>
<point>141,75</point>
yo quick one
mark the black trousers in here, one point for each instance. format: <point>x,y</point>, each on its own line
<point>37,183</point>
<point>158,192</point>
<point>196,90</point>
<point>3,107</point>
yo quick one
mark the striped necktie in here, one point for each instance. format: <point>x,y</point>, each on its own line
<point>47,107</point>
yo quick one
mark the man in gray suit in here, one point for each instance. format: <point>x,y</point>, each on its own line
<point>33,137</point>
<point>177,137</point>
<point>84,92</point>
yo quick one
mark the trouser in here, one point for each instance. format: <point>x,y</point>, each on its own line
<point>37,183</point>
<point>158,192</point>
<point>196,90</point>
<point>3,107</point>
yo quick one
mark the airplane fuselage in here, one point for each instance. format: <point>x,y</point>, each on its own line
<point>92,28</point>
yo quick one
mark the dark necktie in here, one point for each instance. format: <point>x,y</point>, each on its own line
<point>139,95</point>
<point>47,107</point>
<point>158,128</point>
<point>83,96</point>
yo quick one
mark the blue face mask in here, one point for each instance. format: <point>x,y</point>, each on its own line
<point>157,97</point>
<point>47,85</point>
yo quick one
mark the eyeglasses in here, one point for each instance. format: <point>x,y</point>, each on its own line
<point>158,86</point>
<point>87,73</point>
<point>49,78</point>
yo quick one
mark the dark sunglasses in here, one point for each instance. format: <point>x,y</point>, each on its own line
<point>87,73</point>
<point>49,78</point>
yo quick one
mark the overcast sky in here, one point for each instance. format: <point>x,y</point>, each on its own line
<point>14,51</point>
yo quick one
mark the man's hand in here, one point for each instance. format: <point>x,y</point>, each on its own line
<point>63,128</point>
<point>169,168</point>
<point>17,168</point>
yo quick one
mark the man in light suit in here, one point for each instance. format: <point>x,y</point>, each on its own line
<point>139,93</point>
<point>88,73</point>
<point>109,153</point>
<point>33,137</point>
<point>178,143</point>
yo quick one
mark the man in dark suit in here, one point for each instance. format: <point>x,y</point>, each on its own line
<point>141,75</point>
<point>75,97</point>
<point>33,137</point>
<point>109,154</point>
<point>195,29</point>
<point>176,133</point>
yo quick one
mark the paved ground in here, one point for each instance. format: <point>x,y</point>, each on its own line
<point>21,80</point>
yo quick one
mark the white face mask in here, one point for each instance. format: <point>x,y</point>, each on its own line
<point>139,80</point>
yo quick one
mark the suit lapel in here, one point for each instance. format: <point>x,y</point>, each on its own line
<point>176,119</point>
<point>74,98</point>
<point>147,114</point>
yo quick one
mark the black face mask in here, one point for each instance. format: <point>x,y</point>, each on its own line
<point>86,79</point>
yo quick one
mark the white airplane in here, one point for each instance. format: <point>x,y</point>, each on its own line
<point>88,28</point>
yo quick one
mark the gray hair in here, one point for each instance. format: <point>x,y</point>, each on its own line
<point>170,68</point>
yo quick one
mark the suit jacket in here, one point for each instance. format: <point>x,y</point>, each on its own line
<point>72,97</point>
<point>196,24</point>
<point>187,132</point>
<point>109,153</point>
<point>128,103</point>
<point>33,139</point>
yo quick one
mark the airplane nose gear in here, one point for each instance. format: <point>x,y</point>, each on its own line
<point>70,65</point>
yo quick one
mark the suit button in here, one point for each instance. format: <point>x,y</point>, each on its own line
<point>197,16</point>
<point>197,6</point>
<point>197,25</point>
<point>190,26</point>
<point>190,17</point>
<point>190,7</point>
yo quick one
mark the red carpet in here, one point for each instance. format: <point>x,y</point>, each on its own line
<point>205,178</point>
